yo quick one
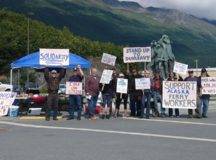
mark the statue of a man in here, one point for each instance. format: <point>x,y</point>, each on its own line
<point>162,57</point>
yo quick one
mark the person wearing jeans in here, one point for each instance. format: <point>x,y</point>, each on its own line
<point>146,98</point>
<point>157,92</point>
<point>108,92</point>
<point>191,77</point>
<point>75,101</point>
<point>92,92</point>
<point>204,98</point>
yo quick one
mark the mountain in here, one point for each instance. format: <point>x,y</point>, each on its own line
<point>13,40</point>
<point>126,23</point>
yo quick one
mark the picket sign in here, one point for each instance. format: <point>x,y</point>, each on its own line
<point>142,83</point>
<point>208,85</point>
<point>178,94</point>
<point>54,57</point>
<point>137,54</point>
<point>122,85</point>
<point>74,88</point>
<point>180,68</point>
<point>106,76</point>
<point>6,101</point>
<point>108,59</point>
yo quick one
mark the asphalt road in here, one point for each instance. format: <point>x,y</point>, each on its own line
<point>114,139</point>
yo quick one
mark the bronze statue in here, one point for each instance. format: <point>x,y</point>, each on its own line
<point>162,57</point>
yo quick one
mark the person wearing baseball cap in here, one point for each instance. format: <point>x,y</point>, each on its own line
<point>53,79</point>
<point>75,101</point>
<point>191,77</point>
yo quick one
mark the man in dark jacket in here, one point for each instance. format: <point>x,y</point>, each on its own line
<point>135,95</point>
<point>53,80</point>
<point>191,77</point>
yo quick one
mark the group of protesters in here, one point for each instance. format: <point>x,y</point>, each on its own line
<point>140,101</point>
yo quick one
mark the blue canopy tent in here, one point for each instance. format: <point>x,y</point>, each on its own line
<point>32,61</point>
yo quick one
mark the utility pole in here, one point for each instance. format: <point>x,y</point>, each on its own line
<point>28,50</point>
<point>196,63</point>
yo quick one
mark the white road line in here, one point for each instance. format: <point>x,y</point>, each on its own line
<point>110,131</point>
<point>171,121</point>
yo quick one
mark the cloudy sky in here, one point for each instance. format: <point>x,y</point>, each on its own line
<point>200,8</point>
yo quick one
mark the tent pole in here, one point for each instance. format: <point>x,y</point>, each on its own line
<point>11,77</point>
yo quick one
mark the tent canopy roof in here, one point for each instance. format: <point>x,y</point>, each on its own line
<point>32,61</point>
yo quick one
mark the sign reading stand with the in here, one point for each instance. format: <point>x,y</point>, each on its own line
<point>54,57</point>
<point>137,54</point>
<point>208,85</point>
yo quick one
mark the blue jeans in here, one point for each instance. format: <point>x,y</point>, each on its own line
<point>92,105</point>
<point>158,98</point>
<point>146,98</point>
<point>75,103</point>
<point>204,102</point>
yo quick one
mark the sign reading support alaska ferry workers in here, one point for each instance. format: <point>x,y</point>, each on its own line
<point>182,95</point>
<point>137,54</point>
<point>54,57</point>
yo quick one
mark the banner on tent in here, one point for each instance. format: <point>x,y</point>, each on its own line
<point>74,88</point>
<point>54,57</point>
<point>122,85</point>
<point>208,85</point>
<point>106,76</point>
<point>180,68</point>
<point>181,95</point>
<point>108,59</point>
<point>137,54</point>
<point>142,83</point>
<point>6,101</point>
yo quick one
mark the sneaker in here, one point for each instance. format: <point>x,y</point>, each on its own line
<point>70,118</point>
<point>78,118</point>
<point>103,116</point>
<point>107,116</point>
<point>47,118</point>
<point>204,116</point>
<point>55,118</point>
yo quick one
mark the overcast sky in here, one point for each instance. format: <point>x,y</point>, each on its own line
<point>200,8</point>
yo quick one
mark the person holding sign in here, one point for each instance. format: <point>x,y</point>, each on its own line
<point>75,100</point>
<point>92,92</point>
<point>135,95</point>
<point>193,78</point>
<point>146,98</point>
<point>173,77</point>
<point>157,92</point>
<point>121,96</point>
<point>204,98</point>
<point>53,80</point>
<point>108,92</point>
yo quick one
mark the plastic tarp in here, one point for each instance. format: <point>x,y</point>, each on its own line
<point>32,61</point>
